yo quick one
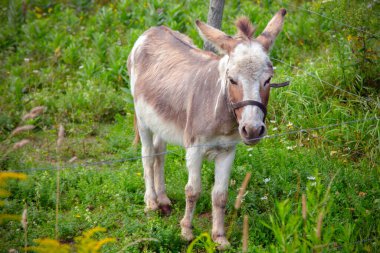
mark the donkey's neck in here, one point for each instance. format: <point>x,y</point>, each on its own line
<point>209,115</point>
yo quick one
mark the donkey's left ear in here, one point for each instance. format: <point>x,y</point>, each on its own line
<point>274,27</point>
<point>219,39</point>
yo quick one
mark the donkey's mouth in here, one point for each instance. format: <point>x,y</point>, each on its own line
<point>251,142</point>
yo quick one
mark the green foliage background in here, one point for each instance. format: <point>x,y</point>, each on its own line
<point>70,56</point>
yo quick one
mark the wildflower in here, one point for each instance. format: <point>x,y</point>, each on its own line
<point>138,174</point>
<point>264,198</point>
<point>289,125</point>
<point>272,121</point>
<point>274,128</point>
<point>311,178</point>
<point>266,180</point>
<point>333,152</point>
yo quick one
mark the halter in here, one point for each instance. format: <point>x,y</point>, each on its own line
<point>233,106</point>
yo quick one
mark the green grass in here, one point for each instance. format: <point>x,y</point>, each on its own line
<point>71,58</point>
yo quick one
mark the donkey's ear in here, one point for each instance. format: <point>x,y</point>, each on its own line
<point>274,27</point>
<point>219,39</point>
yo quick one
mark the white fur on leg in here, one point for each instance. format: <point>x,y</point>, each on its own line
<point>147,151</point>
<point>193,189</point>
<point>159,177</point>
<point>223,164</point>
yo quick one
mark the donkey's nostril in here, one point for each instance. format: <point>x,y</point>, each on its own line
<point>262,130</point>
<point>244,131</point>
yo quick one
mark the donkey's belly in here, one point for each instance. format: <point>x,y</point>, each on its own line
<point>150,118</point>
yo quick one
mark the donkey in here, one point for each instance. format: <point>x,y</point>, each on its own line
<point>202,101</point>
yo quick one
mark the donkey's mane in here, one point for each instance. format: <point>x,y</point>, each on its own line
<point>245,27</point>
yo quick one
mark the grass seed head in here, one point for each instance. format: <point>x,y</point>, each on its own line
<point>21,143</point>
<point>22,129</point>
<point>245,234</point>
<point>36,111</point>
<point>24,219</point>
<point>73,159</point>
<point>242,191</point>
<point>304,207</point>
<point>319,225</point>
<point>61,135</point>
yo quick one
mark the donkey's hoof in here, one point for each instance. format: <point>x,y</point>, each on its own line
<point>222,242</point>
<point>151,206</point>
<point>187,234</point>
<point>166,210</point>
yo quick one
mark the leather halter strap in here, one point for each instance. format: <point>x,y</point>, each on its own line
<point>243,103</point>
<point>279,85</point>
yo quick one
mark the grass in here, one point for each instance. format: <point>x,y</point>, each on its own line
<point>71,56</point>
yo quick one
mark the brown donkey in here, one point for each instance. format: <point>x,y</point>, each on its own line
<point>202,101</point>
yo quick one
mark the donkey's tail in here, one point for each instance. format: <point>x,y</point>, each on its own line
<point>137,135</point>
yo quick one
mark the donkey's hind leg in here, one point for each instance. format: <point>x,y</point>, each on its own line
<point>147,152</point>
<point>159,177</point>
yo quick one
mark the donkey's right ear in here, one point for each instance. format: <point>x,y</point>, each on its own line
<point>219,39</point>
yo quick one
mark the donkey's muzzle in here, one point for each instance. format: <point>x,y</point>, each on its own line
<point>252,134</point>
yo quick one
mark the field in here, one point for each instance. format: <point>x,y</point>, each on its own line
<point>70,57</point>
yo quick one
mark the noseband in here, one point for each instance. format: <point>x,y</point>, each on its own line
<point>243,103</point>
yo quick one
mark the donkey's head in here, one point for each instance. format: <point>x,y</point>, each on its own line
<point>246,71</point>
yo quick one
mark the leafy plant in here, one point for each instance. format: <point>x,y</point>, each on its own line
<point>4,193</point>
<point>202,241</point>
<point>83,244</point>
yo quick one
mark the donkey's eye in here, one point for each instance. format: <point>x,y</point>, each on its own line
<point>232,81</point>
<point>267,82</point>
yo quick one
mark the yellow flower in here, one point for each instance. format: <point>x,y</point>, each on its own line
<point>38,9</point>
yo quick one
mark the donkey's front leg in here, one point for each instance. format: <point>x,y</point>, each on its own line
<point>223,164</point>
<point>193,189</point>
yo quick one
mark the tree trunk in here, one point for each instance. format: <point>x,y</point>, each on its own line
<point>214,18</point>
